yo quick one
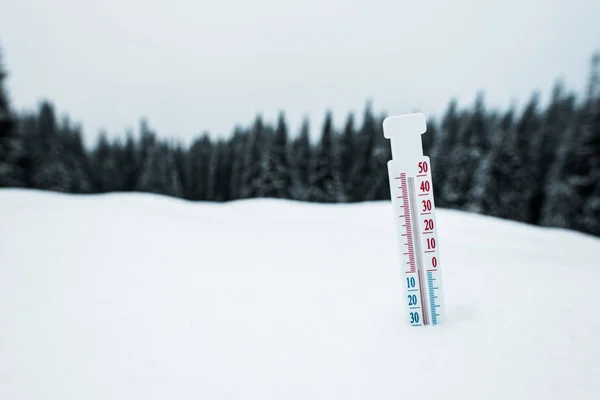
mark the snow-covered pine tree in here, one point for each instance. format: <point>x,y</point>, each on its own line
<point>49,170</point>
<point>585,170</point>
<point>326,184</point>
<point>301,159</point>
<point>362,186</point>
<point>237,145</point>
<point>484,191</point>
<point>12,147</point>
<point>220,172</point>
<point>198,168</point>
<point>75,157</point>
<point>265,183</point>
<point>213,172</point>
<point>511,183</point>
<point>554,124</point>
<point>254,156</point>
<point>159,172</point>
<point>107,177</point>
<point>348,155</point>
<point>443,152</point>
<point>467,156</point>
<point>571,184</point>
<point>277,181</point>
<point>128,162</point>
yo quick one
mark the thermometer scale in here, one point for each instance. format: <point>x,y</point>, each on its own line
<point>411,189</point>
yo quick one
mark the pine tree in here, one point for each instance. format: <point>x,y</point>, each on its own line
<point>277,181</point>
<point>159,172</point>
<point>128,161</point>
<point>363,187</point>
<point>11,143</point>
<point>198,167</point>
<point>442,154</point>
<point>467,156</point>
<point>348,155</point>
<point>484,194</point>
<point>555,122</point>
<point>254,160</point>
<point>180,161</point>
<point>302,154</point>
<point>584,173</point>
<point>105,166</point>
<point>569,186</point>
<point>219,187</point>
<point>326,185</point>
<point>237,145</point>
<point>76,158</point>
<point>510,185</point>
<point>49,170</point>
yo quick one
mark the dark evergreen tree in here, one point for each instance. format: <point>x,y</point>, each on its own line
<point>277,179</point>
<point>302,154</point>
<point>348,152</point>
<point>555,121</point>
<point>510,185</point>
<point>363,186</point>
<point>12,149</point>
<point>584,171</point>
<point>49,170</point>
<point>128,162</point>
<point>158,166</point>
<point>198,167</point>
<point>325,184</point>
<point>443,151</point>
<point>237,145</point>
<point>254,160</point>
<point>105,166</point>
<point>219,187</point>
<point>467,155</point>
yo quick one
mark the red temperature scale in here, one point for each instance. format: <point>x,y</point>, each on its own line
<point>411,189</point>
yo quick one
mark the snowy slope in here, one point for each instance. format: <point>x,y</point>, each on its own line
<point>143,297</point>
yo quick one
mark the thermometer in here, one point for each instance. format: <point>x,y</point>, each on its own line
<point>411,190</point>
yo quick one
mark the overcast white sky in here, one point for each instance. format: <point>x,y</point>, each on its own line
<point>194,65</point>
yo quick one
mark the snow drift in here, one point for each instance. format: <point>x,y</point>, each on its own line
<point>131,296</point>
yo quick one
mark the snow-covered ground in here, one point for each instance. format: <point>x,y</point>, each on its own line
<point>140,297</point>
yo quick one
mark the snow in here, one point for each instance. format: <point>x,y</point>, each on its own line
<point>131,296</point>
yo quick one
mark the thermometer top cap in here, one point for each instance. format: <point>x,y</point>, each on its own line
<point>405,132</point>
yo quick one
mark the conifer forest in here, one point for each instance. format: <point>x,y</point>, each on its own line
<point>538,165</point>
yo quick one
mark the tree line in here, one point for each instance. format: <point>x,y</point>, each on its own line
<point>539,165</point>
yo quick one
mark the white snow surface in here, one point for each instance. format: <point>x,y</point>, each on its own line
<point>131,296</point>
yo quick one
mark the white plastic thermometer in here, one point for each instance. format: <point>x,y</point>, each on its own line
<point>414,211</point>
